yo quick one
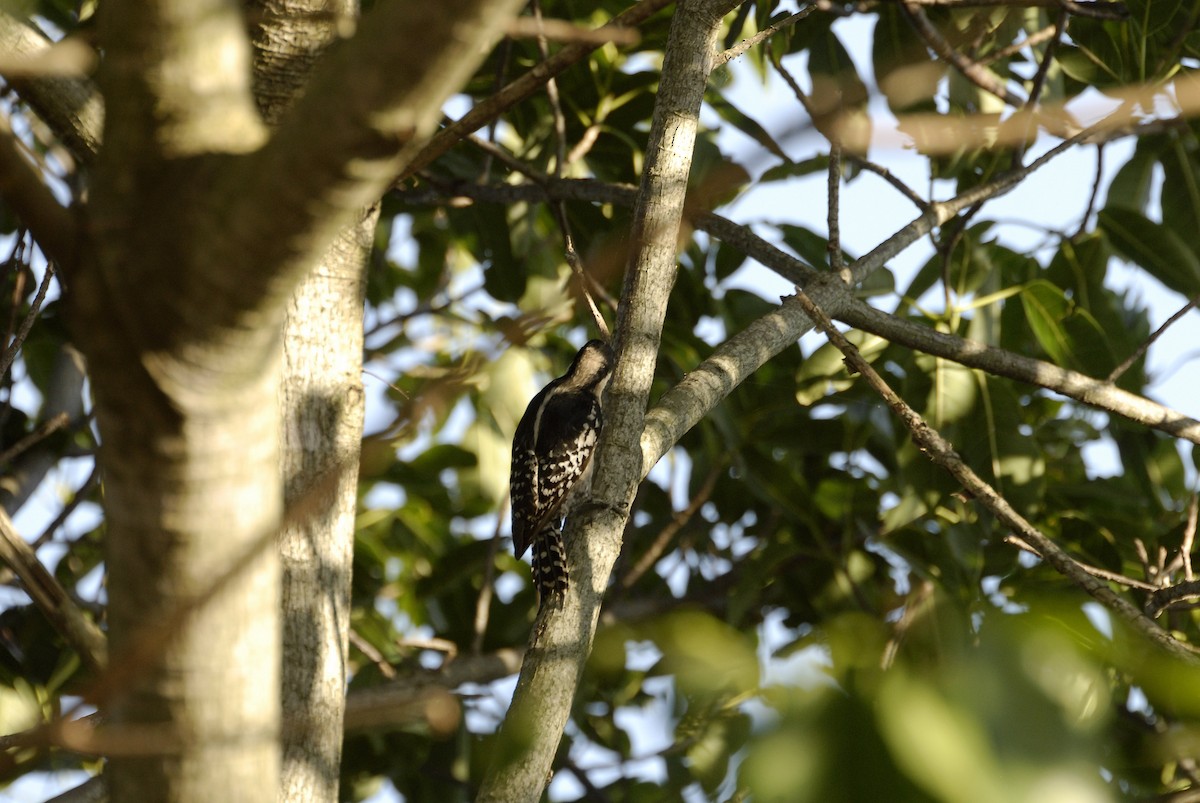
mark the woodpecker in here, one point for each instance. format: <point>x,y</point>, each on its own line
<point>551,457</point>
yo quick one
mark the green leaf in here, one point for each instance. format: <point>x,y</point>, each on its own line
<point>1130,187</point>
<point>903,69</point>
<point>790,169</point>
<point>1045,308</point>
<point>1180,196</point>
<point>812,247</point>
<point>1158,249</point>
<point>744,123</point>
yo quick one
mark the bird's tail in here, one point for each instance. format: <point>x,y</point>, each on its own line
<point>550,573</point>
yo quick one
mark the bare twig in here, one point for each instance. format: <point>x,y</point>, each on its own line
<point>888,176</point>
<point>1095,571</point>
<point>1039,82</point>
<point>1129,361</point>
<point>1189,536</point>
<point>1035,38</point>
<point>741,47</point>
<point>40,432</point>
<point>559,208</point>
<point>527,84</point>
<point>1096,182</point>
<point>668,533</point>
<point>560,122</point>
<point>80,496</point>
<point>971,70</point>
<point>916,604</point>
<point>483,604</point>
<point>376,657</point>
<point>1164,598</point>
<point>942,453</point>
<point>833,184</point>
<point>10,353</point>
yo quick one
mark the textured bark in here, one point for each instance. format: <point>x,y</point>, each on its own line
<point>70,106</point>
<point>185,390</point>
<point>550,674</point>
<point>321,402</point>
<point>199,226</point>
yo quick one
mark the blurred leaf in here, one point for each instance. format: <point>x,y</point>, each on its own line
<point>1155,247</point>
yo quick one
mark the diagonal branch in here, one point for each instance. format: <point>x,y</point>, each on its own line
<point>520,89</point>
<point>24,191</point>
<point>367,109</point>
<point>1099,393</point>
<point>744,356</point>
<point>72,107</point>
<point>684,405</point>
<point>977,74</point>
<point>942,453</point>
<point>80,632</point>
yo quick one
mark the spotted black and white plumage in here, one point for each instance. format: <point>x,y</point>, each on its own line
<point>551,456</point>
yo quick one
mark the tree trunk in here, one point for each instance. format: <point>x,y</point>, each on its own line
<point>181,265</point>
<point>185,372</point>
<point>321,403</point>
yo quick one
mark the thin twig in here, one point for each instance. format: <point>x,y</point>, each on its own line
<point>833,183</point>
<point>10,353</point>
<point>793,84</point>
<point>888,176</point>
<point>1039,79</point>
<point>501,155</point>
<point>1039,82</point>
<point>1035,38</point>
<point>503,58</point>
<point>560,122</point>
<point>916,603</point>
<point>18,263</point>
<point>1164,598</point>
<point>668,533</point>
<point>1095,571</point>
<point>42,431</point>
<point>521,88</point>
<point>1189,537</point>
<point>942,453</point>
<point>1091,204</point>
<point>483,604</point>
<point>376,657</point>
<point>558,207</point>
<point>1128,362</point>
<point>80,496</point>
<point>741,47</point>
<point>971,70</point>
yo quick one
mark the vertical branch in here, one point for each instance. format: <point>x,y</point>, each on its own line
<point>550,674</point>
<point>834,184</point>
